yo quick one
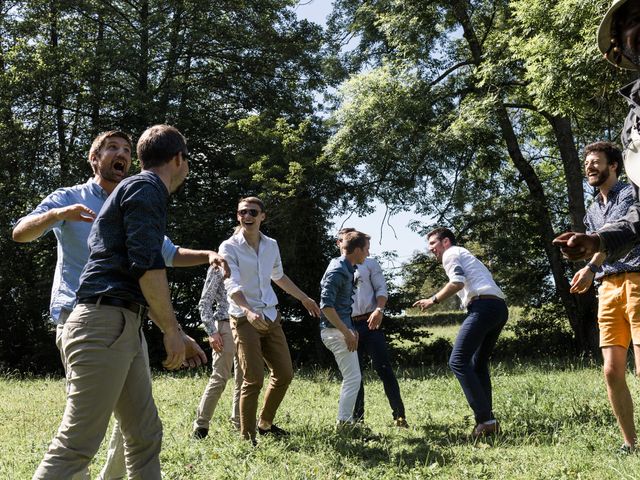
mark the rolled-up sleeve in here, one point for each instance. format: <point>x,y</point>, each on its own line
<point>169,250</point>
<point>144,219</point>
<point>233,283</point>
<point>55,199</point>
<point>211,293</point>
<point>453,268</point>
<point>329,287</point>
<point>277,272</point>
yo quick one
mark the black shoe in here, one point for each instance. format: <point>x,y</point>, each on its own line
<point>274,430</point>
<point>200,433</point>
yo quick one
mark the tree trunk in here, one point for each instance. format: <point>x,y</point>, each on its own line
<point>580,313</point>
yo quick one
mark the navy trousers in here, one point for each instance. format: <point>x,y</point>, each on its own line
<point>374,344</point>
<point>474,344</point>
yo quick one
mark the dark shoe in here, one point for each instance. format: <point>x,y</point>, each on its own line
<point>401,422</point>
<point>485,430</point>
<point>626,450</point>
<point>200,433</point>
<point>274,430</point>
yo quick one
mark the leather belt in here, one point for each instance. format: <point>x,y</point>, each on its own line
<point>134,307</point>
<point>484,297</point>
<point>361,318</point>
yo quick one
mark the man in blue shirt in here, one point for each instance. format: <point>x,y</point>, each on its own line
<point>101,341</point>
<point>336,327</point>
<point>618,305</point>
<point>69,213</point>
<point>369,300</point>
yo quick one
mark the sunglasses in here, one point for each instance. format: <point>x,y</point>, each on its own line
<point>251,211</point>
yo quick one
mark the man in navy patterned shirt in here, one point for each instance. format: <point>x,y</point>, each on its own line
<point>618,305</point>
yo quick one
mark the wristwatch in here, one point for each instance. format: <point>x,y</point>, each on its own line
<point>434,299</point>
<point>594,268</point>
<point>379,309</point>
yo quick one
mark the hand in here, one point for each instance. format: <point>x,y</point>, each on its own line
<point>258,321</point>
<point>375,319</point>
<point>216,342</point>
<point>216,260</point>
<point>175,347</point>
<point>424,304</point>
<point>311,306</point>
<point>194,355</point>
<point>577,246</point>
<point>582,280</point>
<point>75,213</point>
<point>351,339</point>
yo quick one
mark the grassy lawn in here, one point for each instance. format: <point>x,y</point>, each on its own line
<point>556,420</point>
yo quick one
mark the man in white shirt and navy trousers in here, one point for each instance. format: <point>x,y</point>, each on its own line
<point>487,315</point>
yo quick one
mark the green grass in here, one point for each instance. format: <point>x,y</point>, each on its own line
<point>556,419</point>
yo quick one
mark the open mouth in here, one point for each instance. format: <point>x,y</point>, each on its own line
<point>119,166</point>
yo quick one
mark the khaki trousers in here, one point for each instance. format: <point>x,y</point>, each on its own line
<point>254,350</point>
<point>106,372</point>
<point>221,365</point>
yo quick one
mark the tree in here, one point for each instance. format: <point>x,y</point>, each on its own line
<point>463,119</point>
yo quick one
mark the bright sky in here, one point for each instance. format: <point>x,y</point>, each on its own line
<point>391,234</point>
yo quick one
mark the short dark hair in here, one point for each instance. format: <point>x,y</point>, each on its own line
<point>159,144</point>
<point>255,200</point>
<point>442,232</point>
<point>611,152</point>
<point>345,230</point>
<point>101,139</point>
<point>353,240</point>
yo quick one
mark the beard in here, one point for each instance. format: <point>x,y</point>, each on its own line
<point>600,179</point>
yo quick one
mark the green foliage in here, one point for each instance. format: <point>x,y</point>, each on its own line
<point>237,78</point>
<point>539,332</point>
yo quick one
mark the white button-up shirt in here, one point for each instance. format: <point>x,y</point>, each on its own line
<point>462,267</point>
<point>251,274</point>
<point>370,284</point>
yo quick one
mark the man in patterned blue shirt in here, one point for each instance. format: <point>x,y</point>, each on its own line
<point>618,304</point>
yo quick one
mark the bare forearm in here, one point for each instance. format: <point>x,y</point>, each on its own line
<point>334,319</point>
<point>155,289</point>
<point>381,302</point>
<point>185,257</point>
<point>449,290</point>
<point>34,226</point>
<point>598,259</point>
<point>241,301</point>
<point>291,288</point>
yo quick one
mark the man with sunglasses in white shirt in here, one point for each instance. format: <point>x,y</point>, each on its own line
<point>254,261</point>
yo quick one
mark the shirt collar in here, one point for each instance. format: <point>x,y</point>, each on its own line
<point>347,264</point>
<point>613,192</point>
<point>96,189</point>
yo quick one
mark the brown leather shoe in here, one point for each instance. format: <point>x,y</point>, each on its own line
<point>401,422</point>
<point>484,430</point>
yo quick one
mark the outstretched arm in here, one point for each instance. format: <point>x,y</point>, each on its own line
<point>33,226</point>
<point>292,289</point>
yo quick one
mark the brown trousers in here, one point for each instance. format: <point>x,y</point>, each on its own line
<point>254,350</point>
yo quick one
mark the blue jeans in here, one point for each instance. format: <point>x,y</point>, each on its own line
<point>469,359</point>
<point>373,343</point>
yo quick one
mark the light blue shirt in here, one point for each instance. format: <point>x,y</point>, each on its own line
<point>73,250</point>
<point>336,291</point>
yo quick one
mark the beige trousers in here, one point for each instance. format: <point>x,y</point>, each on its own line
<point>106,372</point>
<point>221,369</point>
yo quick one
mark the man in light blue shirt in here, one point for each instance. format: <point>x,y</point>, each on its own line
<point>69,213</point>
<point>369,300</point>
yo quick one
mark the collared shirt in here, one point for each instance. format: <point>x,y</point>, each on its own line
<point>619,237</point>
<point>370,284</point>
<point>126,239</point>
<point>251,274</point>
<point>72,250</point>
<point>337,287</point>
<point>213,291</point>
<point>462,267</point>
<point>619,199</point>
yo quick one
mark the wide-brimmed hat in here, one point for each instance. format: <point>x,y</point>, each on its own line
<point>604,35</point>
